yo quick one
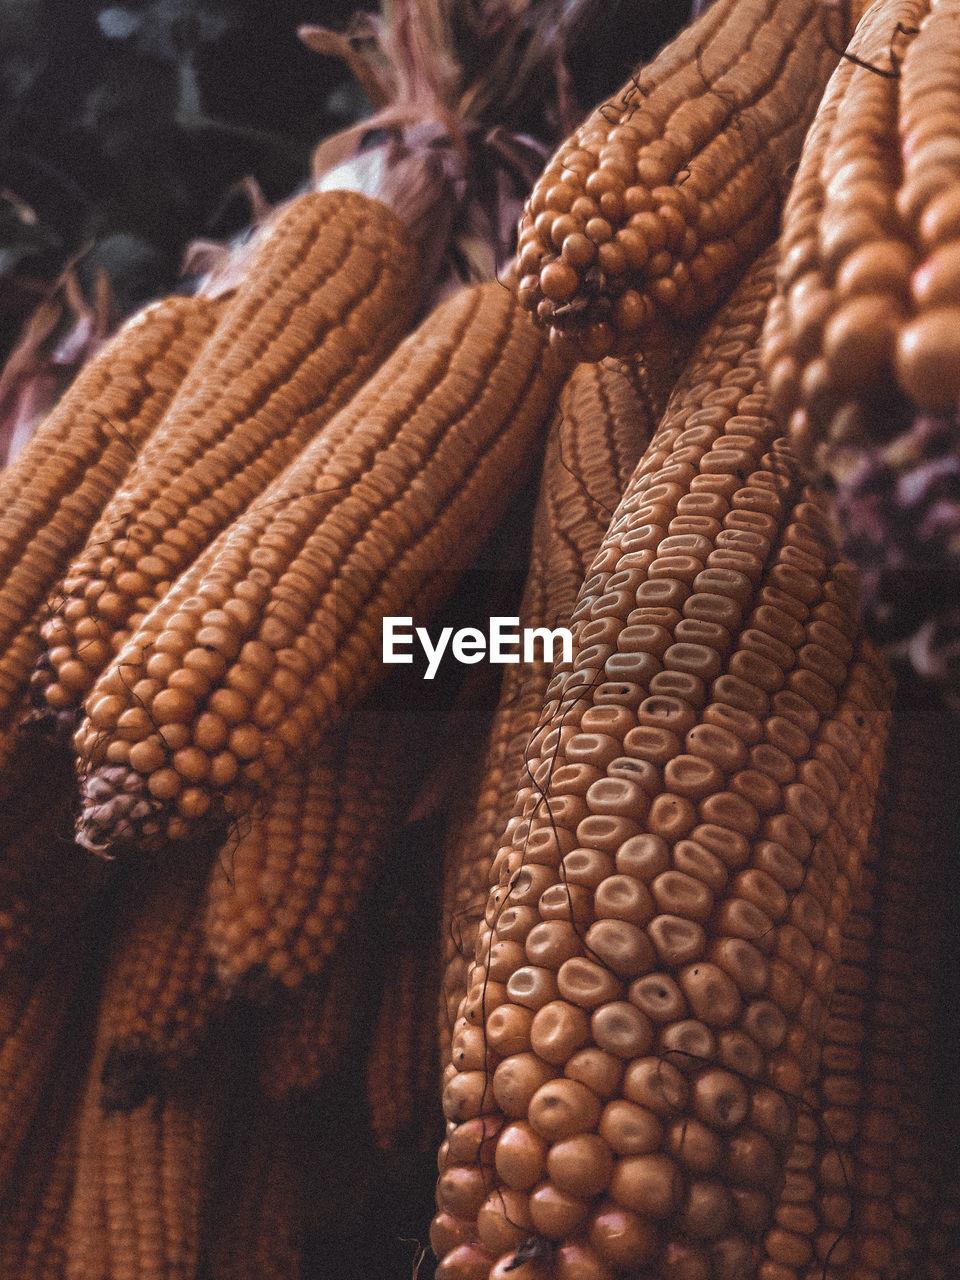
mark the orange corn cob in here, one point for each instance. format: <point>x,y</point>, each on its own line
<point>869,300</point>
<point>259,1228</point>
<point>661,198</point>
<point>54,491</point>
<point>330,290</point>
<point>34,1012</point>
<point>282,893</point>
<point>605,415</point>
<point>402,1066</point>
<point>672,894</point>
<point>33,1209</point>
<point>275,633</point>
<point>305,1033</point>
<point>861,1178</point>
<point>142,1179</point>
<point>161,992</point>
<point>32,1235</point>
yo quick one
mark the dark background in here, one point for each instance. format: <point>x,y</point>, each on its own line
<point>125,128</point>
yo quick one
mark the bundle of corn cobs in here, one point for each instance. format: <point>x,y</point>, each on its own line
<point>663,923</point>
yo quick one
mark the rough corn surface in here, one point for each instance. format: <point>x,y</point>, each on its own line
<point>58,485</point>
<point>605,415</point>
<point>143,1178</point>
<point>861,347</point>
<point>161,993</point>
<point>659,201</point>
<point>872,1152</point>
<point>282,893</point>
<point>275,632</point>
<point>651,983</point>
<point>258,1231</point>
<point>330,291</point>
<point>35,1011</point>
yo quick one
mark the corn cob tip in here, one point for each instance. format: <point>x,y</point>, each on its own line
<point>116,810</point>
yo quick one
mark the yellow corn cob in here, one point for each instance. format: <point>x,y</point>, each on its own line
<point>331,289</point>
<point>282,893</point>
<point>259,1221</point>
<point>52,494</point>
<point>142,1179</point>
<point>868,299</point>
<point>658,202</point>
<point>628,1046</point>
<point>605,415</point>
<point>275,632</point>
<point>866,1162</point>
<point>161,992</point>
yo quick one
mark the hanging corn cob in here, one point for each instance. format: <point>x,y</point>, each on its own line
<point>32,1243</point>
<point>330,290</point>
<point>865,1164</point>
<point>861,347</point>
<point>686,847</point>
<point>35,1012</point>
<point>402,1066</point>
<point>604,418</point>
<point>259,1220</point>
<point>160,993</point>
<point>658,202</point>
<point>282,893</point>
<point>142,1178</point>
<point>275,632</point>
<point>33,1208</point>
<point>52,494</point>
<point>304,1035</point>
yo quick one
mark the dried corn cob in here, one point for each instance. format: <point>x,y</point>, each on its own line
<point>33,1212</point>
<point>658,202</point>
<point>34,1012</point>
<point>856,1188</point>
<point>279,622</point>
<point>142,1179</point>
<point>283,891</point>
<point>161,991</point>
<point>671,897</point>
<point>331,289</point>
<point>605,415</point>
<point>32,1237</point>
<point>305,1033</point>
<point>259,1228</point>
<point>402,1066</point>
<point>52,494</point>
<point>865,281</point>
<point>861,346</point>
